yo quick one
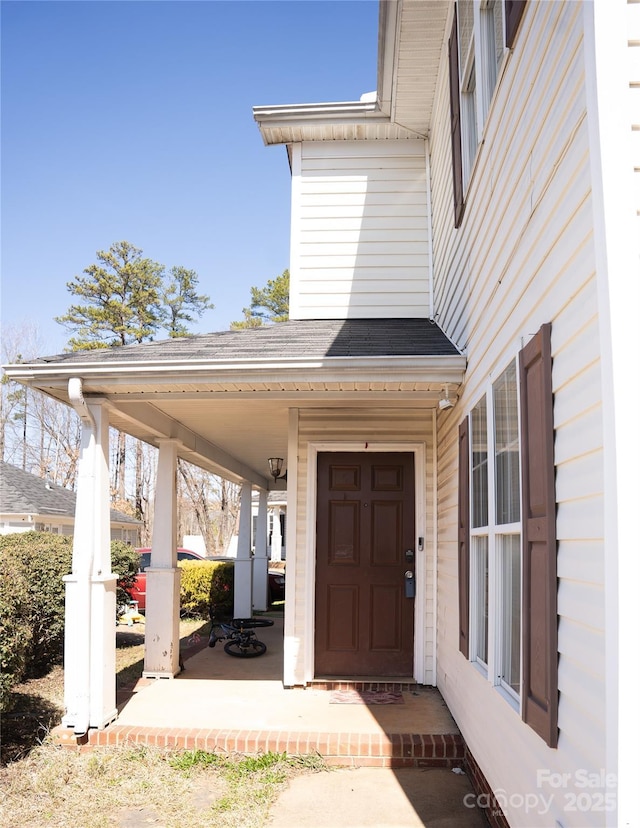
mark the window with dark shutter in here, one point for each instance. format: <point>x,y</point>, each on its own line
<point>513,10</point>
<point>456,130</point>
<point>539,575</point>
<point>463,535</point>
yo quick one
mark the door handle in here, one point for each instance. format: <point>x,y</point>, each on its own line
<point>409,584</point>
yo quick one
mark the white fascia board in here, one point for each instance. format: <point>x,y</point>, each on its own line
<point>327,368</point>
<point>329,112</point>
<point>388,31</point>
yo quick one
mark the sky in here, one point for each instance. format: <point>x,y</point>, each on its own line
<point>132,120</point>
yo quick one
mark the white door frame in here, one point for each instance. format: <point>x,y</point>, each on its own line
<point>419,457</point>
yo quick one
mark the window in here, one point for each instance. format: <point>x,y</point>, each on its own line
<point>467,69</point>
<point>479,545</point>
<point>495,574</point>
<point>482,31</point>
<point>507,568</point>
<point>492,46</point>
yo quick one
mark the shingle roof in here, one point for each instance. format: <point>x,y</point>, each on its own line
<point>274,496</point>
<point>311,338</point>
<point>24,493</point>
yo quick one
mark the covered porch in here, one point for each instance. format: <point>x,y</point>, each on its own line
<point>220,703</point>
<point>227,402</point>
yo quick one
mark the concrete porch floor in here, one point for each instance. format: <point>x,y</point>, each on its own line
<point>224,703</point>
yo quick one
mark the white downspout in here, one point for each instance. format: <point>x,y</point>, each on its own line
<point>84,564</point>
<point>430,229</point>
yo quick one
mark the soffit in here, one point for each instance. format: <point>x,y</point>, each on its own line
<point>420,41</point>
<point>232,431</point>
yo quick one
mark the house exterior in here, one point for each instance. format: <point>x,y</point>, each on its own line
<point>276,523</point>
<point>451,394</point>
<point>29,503</point>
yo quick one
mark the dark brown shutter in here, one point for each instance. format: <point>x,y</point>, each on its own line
<point>463,535</point>
<point>539,577</point>
<point>456,135</point>
<point>513,10</point>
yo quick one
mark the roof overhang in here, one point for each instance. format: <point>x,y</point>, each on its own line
<point>388,371</point>
<point>346,121</point>
<point>411,39</point>
<point>228,416</point>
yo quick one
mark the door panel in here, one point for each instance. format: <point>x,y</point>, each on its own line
<point>365,525</point>
<point>344,533</point>
<point>342,613</point>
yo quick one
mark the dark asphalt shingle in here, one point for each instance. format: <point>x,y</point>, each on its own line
<point>24,493</point>
<point>313,338</point>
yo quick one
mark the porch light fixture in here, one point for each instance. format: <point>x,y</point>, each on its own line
<point>445,402</point>
<point>275,467</point>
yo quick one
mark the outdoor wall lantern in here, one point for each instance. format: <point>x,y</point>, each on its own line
<point>275,467</point>
<point>445,402</point>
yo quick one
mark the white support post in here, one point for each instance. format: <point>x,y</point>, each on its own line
<point>293,643</point>
<point>90,589</point>
<point>242,590</point>
<point>162,627</point>
<point>276,536</point>
<point>260,560</point>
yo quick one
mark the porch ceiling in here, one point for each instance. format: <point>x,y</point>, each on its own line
<point>225,398</point>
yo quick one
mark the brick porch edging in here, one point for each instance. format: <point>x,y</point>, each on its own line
<point>493,812</point>
<point>396,750</point>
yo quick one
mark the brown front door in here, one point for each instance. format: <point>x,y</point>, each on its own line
<point>364,546</point>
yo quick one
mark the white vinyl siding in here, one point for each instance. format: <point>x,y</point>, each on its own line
<point>524,256</point>
<point>360,244</point>
<point>385,426</point>
<point>633,23</point>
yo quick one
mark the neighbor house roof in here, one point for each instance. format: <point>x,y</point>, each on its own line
<point>23,493</point>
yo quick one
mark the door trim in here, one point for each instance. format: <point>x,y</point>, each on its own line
<point>420,471</point>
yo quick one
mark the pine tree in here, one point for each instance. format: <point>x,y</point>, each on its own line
<point>127,298</point>
<point>268,304</point>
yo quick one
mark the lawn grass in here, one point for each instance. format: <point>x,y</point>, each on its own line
<point>135,786</point>
<point>44,784</point>
<point>40,701</point>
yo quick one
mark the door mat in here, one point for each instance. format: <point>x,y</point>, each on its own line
<point>366,697</point>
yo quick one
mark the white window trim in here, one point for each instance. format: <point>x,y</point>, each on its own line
<point>468,108</point>
<point>499,683</point>
<point>474,575</point>
<point>484,97</point>
<point>492,531</point>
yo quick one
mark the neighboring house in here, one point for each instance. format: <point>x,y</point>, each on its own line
<point>453,395</point>
<point>276,523</point>
<point>29,502</point>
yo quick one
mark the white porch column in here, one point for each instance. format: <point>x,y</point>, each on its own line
<point>162,626</point>
<point>260,560</point>
<point>298,665</point>
<point>242,591</point>
<point>276,536</point>
<point>90,591</point>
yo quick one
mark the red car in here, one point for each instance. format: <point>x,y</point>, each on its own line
<point>139,589</point>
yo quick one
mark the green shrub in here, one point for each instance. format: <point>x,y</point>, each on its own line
<point>32,592</point>
<point>39,561</point>
<point>15,631</point>
<point>125,562</point>
<point>206,584</point>
<point>32,603</point>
